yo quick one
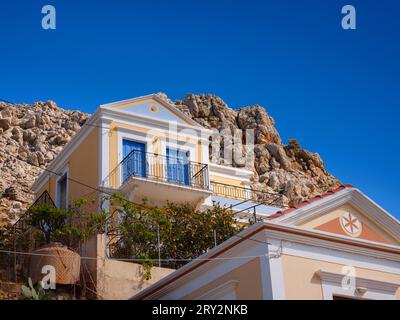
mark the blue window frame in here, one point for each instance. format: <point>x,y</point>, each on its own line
<point>178,166</point>
<point>134,159</point>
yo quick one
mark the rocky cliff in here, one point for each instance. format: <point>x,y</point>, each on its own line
<point>287,168</point>
<point>36,133</point>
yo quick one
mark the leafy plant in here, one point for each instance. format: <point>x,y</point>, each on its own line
<point>29,292</point>
<point>184,232</point>
<point>48,219</point>
<point>211,118</point>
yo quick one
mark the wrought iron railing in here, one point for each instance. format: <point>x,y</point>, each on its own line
<point>240,193</point>
<point>20,226</point>
<point>160,168</point>
<point>24,237</point>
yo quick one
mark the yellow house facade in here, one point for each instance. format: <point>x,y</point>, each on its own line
<point>145,148</point>
<point>340,245</point>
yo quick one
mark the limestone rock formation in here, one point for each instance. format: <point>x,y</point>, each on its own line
<point>34,133</point>
<point>287,168</point>
<point>37,132</point>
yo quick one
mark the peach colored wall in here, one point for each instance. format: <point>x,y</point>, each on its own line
<point>302,283</point>
<point>249,277</point>
<point>116,280</point>
<point>327,222</point>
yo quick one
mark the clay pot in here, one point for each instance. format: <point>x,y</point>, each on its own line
<point>67,263</point>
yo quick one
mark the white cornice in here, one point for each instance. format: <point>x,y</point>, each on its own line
<point>351,196</point>
<point>229,171</point>
<point>315,209</point>
<point>120,115</point>
<point>105,115</point>
<point>277,231</point>
<point>159,100</point>
<point>332,241</point>
<point>371,284</point>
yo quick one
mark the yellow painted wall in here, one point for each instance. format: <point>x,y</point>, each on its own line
<point>249,287</point>
<point>225,180</point>
<point>49,186</point>
<point>302,283</point>
<point>83,165</point>
<point>228,192</point>
<point>156,141</point>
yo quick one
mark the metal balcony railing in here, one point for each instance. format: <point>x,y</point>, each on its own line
<point>161,168</point>
<point>20,225</point>
<point>24,239</point>
<point>240,193</point>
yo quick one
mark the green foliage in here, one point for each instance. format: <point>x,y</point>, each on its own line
<point>294,144</point>
<point>293,147</point>
<point>84,221</point>
<point>185,233</point>
<point>48,219</point>
<point>30,293</point>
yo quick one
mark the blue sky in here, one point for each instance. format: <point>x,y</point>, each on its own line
<point>337,92</point>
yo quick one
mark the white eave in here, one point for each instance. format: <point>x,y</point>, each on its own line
<point>159,100</point>
<point>351,196</point>
<point>275,230</point>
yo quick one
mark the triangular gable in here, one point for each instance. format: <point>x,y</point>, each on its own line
<point>345,211</point>
<point>348,221</point>
<point>152,106</point>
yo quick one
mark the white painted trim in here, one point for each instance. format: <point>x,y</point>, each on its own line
<point>201,277</point>
<point>333,241</point>
<point>179,145</point>
<point>125,101</point>
<point>157,99</point>
<point>133,136</point>
<point>104,150</point>
<point>326,254</point>
<point>228,171</point>
<point>266,283</point>
<point>276,269</point>
<point>363,288</point>
<point>315,209</point>
<point>65,171</point>
<point>153,123</point>
<point>226,291</point>
<point>373,257</point>
<point>104,113</point>
<point>41,185</point>
<point>351,196</point>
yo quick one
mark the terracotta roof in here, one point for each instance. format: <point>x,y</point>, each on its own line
<point>309,201</point>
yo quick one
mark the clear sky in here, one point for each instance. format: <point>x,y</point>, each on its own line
<point>337,92</point>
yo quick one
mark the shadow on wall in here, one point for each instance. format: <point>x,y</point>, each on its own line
<point>113,279</point>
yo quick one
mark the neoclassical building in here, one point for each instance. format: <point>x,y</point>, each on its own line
<point>341,245</point>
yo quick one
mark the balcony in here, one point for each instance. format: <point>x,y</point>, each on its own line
<point>245,202</point>
<point>158,178</point>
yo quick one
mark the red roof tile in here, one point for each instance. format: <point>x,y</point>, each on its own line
<point>309,201</point>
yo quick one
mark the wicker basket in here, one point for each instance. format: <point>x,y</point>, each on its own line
<point>66,263</point>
